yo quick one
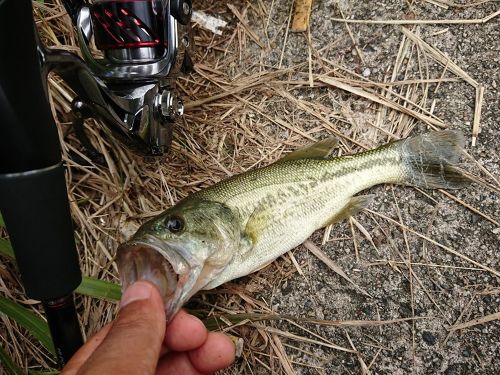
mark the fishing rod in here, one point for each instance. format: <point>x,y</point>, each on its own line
<point>131,90</point>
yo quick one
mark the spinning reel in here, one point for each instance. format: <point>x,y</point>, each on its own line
<point>144,45</point>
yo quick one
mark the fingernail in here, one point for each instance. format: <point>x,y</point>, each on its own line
<point>139,290</point>
<point>238,345</point>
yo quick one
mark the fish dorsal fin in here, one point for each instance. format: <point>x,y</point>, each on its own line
<point>352,207</point>
<point>319,150</point>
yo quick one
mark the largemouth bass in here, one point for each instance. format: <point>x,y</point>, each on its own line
<point>243,223</point>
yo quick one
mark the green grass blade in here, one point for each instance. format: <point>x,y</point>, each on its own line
<point>90,286</point>
<point>6,248</point>
<point>43,372</point>
<point>99,289</point>
<point>36,326</point>
<point>215,322</point>
<point>8,364</point>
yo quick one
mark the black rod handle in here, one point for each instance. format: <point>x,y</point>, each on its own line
<point>35,208</point>
<point>28,135</point>
<point>33,197</point>
<point>64,327</point>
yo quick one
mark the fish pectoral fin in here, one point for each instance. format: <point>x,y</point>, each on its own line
<point>319,150</point>
<point>246,242</point>
<point>257,222</point>
<point>352,207</point>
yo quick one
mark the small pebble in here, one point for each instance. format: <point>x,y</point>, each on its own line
<point>429,338</point>
<point>367,72</point>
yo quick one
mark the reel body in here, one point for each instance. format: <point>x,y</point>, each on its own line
<point>130,85</point>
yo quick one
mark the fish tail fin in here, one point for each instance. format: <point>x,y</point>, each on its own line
<point>429,160</point>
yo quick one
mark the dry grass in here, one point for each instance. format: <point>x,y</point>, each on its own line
<point>242,113</point>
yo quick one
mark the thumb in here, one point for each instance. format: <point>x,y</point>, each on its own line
<point>133,343</point>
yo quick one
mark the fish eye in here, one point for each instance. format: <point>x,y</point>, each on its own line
<point>174,224</point>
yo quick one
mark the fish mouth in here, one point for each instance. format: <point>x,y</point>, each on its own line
<point>150,260</point>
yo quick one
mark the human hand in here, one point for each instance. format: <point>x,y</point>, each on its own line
<point>138,341</point>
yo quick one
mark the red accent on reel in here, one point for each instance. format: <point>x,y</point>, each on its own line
<point>128,24</point>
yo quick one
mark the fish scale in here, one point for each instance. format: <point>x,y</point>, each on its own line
<point>331,184</point>
<point>243,223</point>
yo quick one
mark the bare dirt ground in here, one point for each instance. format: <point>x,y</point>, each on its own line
<point>424,296</point>
<point>444,290</point>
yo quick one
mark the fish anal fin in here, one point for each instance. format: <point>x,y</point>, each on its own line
<point>355,204</point>
<point>319,150</point>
